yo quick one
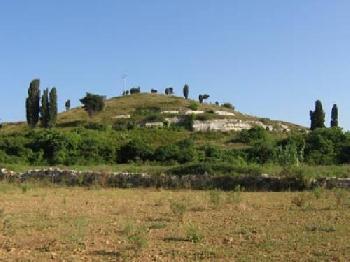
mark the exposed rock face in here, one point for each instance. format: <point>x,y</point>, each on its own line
<point>226,125</point>
<point>173,120</point>
<point>191,112</point>
<point>122,117</point>
<point>154,124</point>
<point>224,113</point>
<point>171,112</point>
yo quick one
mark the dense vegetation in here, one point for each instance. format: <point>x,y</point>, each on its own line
<point>98,144</point>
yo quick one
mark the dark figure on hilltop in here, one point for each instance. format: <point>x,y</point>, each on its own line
<point>317,117</point>
<point>135,90</point>
<point>186,91</point>
<point>334,121</point>
<point>201,98</point>
<point>169,91</point>
<point>67,105</point>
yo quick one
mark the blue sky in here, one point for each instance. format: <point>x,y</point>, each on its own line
<point>269,58</point>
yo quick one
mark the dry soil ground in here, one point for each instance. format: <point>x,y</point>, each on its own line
<point>80,224</point>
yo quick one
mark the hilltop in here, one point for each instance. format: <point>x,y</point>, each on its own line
<point>150,108</point>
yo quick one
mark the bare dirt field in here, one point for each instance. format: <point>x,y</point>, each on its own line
<point>79,224</point>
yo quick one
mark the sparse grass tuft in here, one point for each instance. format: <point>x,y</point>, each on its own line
<point>193,233</point>
<point>302,200</point>
<point>215,198</point>
<point>340,196</point>
<point>136,236</point>
<point>178,208</point>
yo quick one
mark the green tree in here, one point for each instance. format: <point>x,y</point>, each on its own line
<point>45,109</point>
<point>318,116</point>
<point>52,107</point>
<point>334,121</point>
<point>33,103</point>
<point>186,91</point>
<point>92,103</point>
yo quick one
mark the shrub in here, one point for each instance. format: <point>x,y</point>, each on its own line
<point>154,117</point>
<point>194,106</point>
<point>93,103</point>
<point>253,135</point>
<point>123,124</point>
<point>228,105</point>
<point>147,110</point>
<point>134,150</point>
<point>96,126</point>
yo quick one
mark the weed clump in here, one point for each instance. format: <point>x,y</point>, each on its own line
<point>178,209</point>
<point>136,236</point>
<point>193,233</point>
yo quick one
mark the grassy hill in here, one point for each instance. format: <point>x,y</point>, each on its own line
<point>141,106</point>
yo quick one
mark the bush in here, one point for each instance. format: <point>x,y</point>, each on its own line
<point>96,126</point>
<point>123,124</point>
<point>194,106</point>
<point>134,150</point>
<point>228,105</point>
<point>253,135</point>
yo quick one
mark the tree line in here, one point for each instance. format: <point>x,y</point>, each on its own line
<point>46,111</point>
<point>318,116</point>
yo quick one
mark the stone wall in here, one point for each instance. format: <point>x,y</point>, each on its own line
<point>126,180</point>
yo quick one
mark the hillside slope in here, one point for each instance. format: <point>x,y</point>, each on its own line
<point>139,107</point>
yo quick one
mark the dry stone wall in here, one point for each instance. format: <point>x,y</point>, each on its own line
<point>204,181</point>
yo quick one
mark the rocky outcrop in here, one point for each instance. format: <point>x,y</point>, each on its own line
<point>226,125</point>
<point>224,113</point>
<point>154,125</point>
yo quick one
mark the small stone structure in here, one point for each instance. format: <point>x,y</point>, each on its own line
<point>226,125</point>
<point>122,117</point>
<point>154,125</point>
<point>171,112</point>
<point>224,113</point>
<point>191,112</point>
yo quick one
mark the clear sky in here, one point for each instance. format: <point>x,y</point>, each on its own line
<point>269,58</point>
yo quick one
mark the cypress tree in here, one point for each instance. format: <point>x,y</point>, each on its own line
<point>186,91</point>
<point>45,108</point>
<point>334,121</point>
<point>53,107</point>
<point>33,103</point>
<point>318,116</point>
